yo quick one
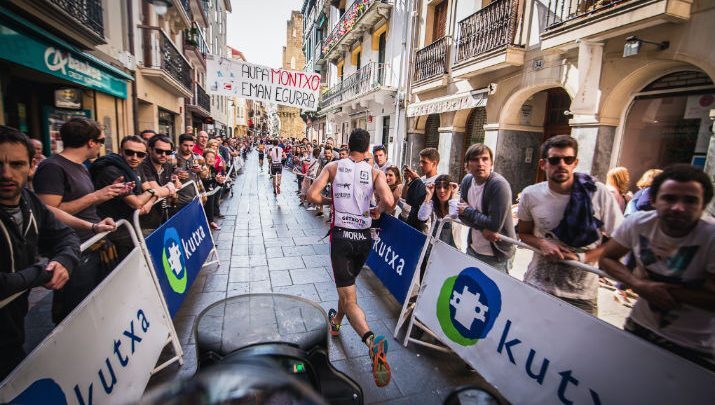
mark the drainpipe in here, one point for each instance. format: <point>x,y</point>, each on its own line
<point>130,36</point>
<point>411,30</point>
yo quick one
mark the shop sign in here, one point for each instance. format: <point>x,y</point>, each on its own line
<point>461,101</point>
<point>52,59</point>
<point>68,98</point>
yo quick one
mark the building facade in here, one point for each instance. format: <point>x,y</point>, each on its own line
<point>61,59</point>
<point>291,123</point>
<point>238,107</point>
<point>197,107</point>
<point>358,47</point>
<point>631,80</point>
<point>216,37</point>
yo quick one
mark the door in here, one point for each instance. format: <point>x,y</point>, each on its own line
<point>439,22</point>
<point>555,121</point>
<point>385,129</point>
<point>381,47</point>
<point>432,132</point>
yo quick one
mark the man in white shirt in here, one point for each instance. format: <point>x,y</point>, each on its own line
<point>674,248</point>
<point>486,209</point>
<point>379,152</point>
<point>566,218</point>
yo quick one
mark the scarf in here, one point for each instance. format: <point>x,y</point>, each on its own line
<point>578,227</point>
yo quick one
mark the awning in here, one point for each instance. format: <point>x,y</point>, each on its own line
<point>27,44</point>
<point>454,102</point>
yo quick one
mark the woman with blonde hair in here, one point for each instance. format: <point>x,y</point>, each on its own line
<point>617,181</point>
<point>641,200</point>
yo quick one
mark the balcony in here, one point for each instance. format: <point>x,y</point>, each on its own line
<point>200,102</point>
<point>487,40</point>
<point>164,64</point>
<point>80,20</point>
<point>195,47</point>
<point>199,10</point>
<point>360,17</point>
<point>369,79</point>
<point>432,65</point>
<point>596,20</point>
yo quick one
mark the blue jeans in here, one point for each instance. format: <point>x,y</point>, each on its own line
<point>503,265</point>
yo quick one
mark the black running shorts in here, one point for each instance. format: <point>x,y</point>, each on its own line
<point>276,168</point>
<point>349,249</point>
<point>260,155</point>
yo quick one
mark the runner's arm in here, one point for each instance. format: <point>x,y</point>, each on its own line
<point>314,194</point>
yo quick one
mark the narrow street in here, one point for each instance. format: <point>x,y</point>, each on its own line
<point>274,245</point>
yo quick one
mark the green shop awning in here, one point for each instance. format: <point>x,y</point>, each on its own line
<point>27,44</point>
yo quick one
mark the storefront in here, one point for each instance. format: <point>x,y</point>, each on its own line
<point>44,81</point>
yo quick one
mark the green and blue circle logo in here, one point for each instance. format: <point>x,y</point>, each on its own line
<point>467,306</point>
<point>173,258</point>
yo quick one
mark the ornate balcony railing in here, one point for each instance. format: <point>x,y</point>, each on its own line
<point>433,59</point>
<point>367,78</point>
<point>161,53</point>
<point>86,12</point>
<point>492,27</point>
<point>202,99</point>
<point>195,37</point>
<point>561,11</point>
<point>348,22</point>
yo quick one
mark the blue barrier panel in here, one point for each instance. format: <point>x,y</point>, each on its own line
<point>178,249</point>
<point>395,254</point>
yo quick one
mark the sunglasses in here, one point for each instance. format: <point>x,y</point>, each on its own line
<point>129,152</point>
<point>100,140</point>
<point>162,151</point>
<point>554,160</point>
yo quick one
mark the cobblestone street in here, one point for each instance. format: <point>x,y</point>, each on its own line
<point>274,245</point>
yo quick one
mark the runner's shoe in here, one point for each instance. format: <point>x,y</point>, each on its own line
<point>378,355</point>
<point>334,327</point>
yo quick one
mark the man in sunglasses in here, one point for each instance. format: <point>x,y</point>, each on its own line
<point>566,217</point>
<point>156,172</point>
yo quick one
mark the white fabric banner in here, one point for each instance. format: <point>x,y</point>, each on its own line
<point>236,78</point>
<point>104,351</point>
<point>537,349</point>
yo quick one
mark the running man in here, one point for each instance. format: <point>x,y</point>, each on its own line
<point>353,182</point>
<point>276,156</point>
<point>261,154</point>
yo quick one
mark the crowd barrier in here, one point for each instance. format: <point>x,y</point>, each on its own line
<point>108,347</point>
<point>533,347</point>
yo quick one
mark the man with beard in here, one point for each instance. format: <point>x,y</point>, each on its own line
<point>674,247</point>
<point>566,217</point>
<point>35,248</point>
<point>157,172</point>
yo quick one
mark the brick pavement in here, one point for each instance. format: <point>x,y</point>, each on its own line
<point>273,245</point>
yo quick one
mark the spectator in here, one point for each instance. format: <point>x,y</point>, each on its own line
<point>617,181</point>
<point>157,172</point>
<point>394,181</point>
<point>566,217</point>
<point>190,165</point>
<point>343,153</point>
<point>436,205</point>
<point>675,254</point>
<point>487,209</point>
<point>202,141</point>
<point>63,184</point>
<point>641,200</point>
<point>37,249</point>
<point>380,154</point>
<point>311,174</point>
<point>213,180</point>
<point>147,134</point>
<point>415,192</point>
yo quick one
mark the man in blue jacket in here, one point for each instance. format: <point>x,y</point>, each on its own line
<point>486,209</point>
<point>35,248</point>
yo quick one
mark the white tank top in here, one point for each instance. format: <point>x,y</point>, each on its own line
<point>352,190</point>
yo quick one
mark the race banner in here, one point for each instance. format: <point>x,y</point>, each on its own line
<point>395,254</point>
<point>178,249</point>
<point>104,351</point>
<point>236,78</point>
<point>535,348</point>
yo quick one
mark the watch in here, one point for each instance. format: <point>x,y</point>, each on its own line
<point>581,257</point>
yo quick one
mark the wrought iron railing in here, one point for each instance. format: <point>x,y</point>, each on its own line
<point>367,78</point>
<point>561,11</point>
<point>433,59</point>
<point>492,27</point>
<point>86,12</point>
<point>348,21</point>
<point>195,37</point>
<point>202,99</point>
<point>185,4</point>
<point>161,53</point>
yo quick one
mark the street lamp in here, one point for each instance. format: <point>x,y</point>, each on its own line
<point>633,45</point>
<point>160,6</point>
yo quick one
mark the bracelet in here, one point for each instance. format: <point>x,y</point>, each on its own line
<point>94,228</point>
